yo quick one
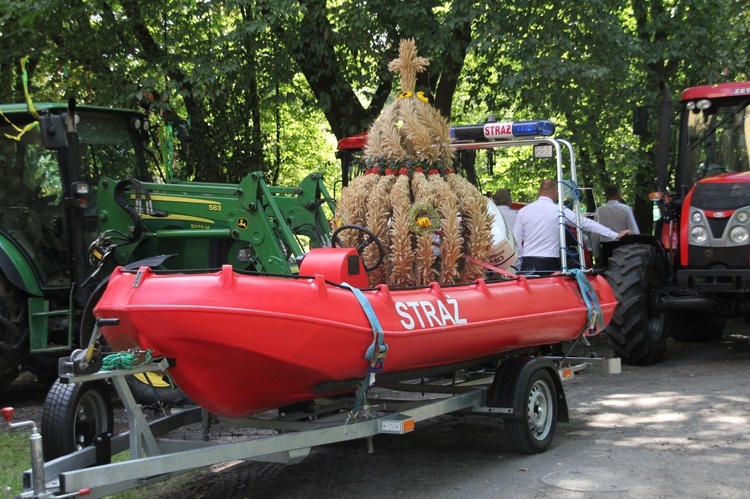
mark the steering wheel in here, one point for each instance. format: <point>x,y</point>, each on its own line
<point>369,239</point>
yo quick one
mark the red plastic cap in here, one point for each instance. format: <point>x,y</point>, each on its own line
<point>8,413</point>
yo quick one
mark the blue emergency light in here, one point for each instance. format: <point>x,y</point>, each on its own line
<point>540,128</point>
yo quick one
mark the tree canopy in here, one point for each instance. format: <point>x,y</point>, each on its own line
<point>270,84</point>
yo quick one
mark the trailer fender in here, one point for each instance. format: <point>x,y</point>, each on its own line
<point>17,269</point>
<point>510,382</point>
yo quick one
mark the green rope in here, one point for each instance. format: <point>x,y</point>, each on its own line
<point>123,360</point>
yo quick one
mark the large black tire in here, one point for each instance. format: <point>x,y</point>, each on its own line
<point>154,390</point>
<point>696,326</point>
<point>14,331</point>
<point>73,415</point>
<point>637,332</point>
<point>533,432</point>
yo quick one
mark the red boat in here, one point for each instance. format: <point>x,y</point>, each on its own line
<point>245,343</point>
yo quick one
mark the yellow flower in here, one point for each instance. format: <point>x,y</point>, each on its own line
<point>424,222</point>
<point>405,95</point>
<point>422,96</point>
<point>425,218</point>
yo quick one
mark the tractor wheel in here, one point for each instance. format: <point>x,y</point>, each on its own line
<point>533,432</point>
<point>14,331</point>
<point>698,327</point>
<point>153,389</point>
<point>637,331</point>
<point>73,415</point>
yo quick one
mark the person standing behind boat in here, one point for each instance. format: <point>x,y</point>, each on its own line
<point>503,201</point>
<point>616,215</point>
<point>537,231</point>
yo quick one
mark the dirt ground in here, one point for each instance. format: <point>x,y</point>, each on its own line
<point>676,429</point>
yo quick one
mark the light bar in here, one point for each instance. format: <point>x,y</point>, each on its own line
<point>502,130</point>
<point>515,129</point>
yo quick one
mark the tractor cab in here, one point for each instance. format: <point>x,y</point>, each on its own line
<point>49,169</point>
<point>716,134</point>
<point>46,193</point>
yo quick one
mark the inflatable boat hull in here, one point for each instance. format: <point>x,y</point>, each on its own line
<point>242,344</point>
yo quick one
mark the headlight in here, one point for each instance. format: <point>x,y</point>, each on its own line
<point>738,235</point>
<point>743,216</point>
<point>697,217</point>
<point>698,235</point>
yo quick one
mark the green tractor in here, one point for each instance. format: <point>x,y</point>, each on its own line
<point>82,193</point>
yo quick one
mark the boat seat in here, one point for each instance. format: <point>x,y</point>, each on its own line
<point>337,265</point>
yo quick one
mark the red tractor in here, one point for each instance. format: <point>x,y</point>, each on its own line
<point>695,273</point>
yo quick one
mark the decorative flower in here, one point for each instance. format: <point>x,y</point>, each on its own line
<point>405,95</point>
<point>423,96</point>
<point>425,218</point>
<point>405,166</point>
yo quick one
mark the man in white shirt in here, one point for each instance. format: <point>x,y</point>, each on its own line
<point>537,230</point>
<point>503,201</point>
<point>616,215</point>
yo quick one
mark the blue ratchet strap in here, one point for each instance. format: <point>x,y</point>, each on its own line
<point>576,192</point>
<point>375,352</point>
<point>594,314</point>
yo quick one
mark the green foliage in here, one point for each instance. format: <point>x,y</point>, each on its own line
<point>265,84</point>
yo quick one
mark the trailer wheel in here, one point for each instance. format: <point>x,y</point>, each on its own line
<point>698,327</point>
<point>533,432</point>
<point>14,331</point>
<point>73,415</point>
<point>637,331</point>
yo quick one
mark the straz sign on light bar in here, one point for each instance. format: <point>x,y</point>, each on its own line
<point>498,130</point>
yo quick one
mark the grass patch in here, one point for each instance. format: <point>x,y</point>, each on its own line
<point>15,458</point>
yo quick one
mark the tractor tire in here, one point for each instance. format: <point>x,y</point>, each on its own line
<point>637,332</point>
<point>74,415</point>
<point>696,327</point>
<point>533,432</point>
<point>14,332</point>
<point>154,390</point>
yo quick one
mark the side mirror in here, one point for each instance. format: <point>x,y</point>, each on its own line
<point>52,131</point>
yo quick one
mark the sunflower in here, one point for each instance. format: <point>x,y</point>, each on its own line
<point>424,219</point>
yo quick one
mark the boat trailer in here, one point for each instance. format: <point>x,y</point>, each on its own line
<point>524,391</point>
